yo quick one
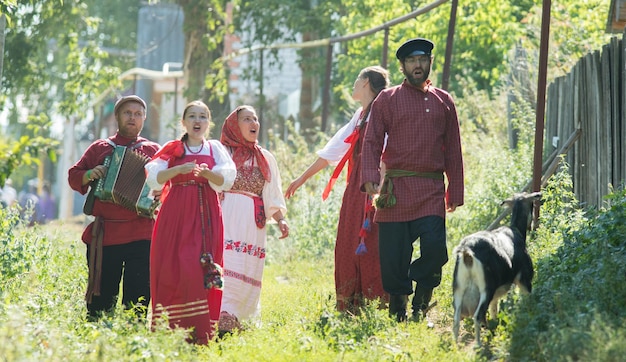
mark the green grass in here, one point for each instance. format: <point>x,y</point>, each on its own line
<point>575,312</point>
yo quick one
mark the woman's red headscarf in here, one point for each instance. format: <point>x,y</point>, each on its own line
<point>242,149</point>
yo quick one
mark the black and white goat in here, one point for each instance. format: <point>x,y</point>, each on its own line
<point>489,262</point>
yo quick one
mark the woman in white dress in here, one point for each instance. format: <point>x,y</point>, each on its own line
<point>255,198</point>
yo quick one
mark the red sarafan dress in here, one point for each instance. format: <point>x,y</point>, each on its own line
<point>357,264</point>
<point>188,224</point>
<point>357,275</point>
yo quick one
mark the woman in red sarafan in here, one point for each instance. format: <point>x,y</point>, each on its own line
<point>186,257</point>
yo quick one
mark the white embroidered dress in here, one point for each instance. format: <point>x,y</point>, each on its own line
<point>244,242</point>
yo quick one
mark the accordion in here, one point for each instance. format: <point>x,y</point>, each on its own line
<point>125,182</point>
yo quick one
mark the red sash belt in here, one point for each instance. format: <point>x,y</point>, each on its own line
<point>351,139</point>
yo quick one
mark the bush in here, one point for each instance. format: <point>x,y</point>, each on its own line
<point>578,299</point>
<point>18,251</point>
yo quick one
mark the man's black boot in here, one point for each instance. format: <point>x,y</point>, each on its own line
<point>421,301</point>
<point>397,306</point>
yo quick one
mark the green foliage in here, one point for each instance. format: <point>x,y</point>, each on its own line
<point>365,51</point>
<point>493,172</point>
<point>47,72</point>
<point>346,332</point>
<point>578,299</point>
<point>315,235</point>
<point>84,81</point>
<point>486,32</point>
<point>206,74</point>
<point>576,28</point>
<point>28,149</point>
<point>51,75</point>
<point>16,253</point>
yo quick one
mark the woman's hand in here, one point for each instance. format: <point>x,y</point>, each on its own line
<point>284,228</point>
<point>282,224</point>
<point>185,168</point>
<point>372,188</point>
<point>202,170</point>
<point>295,184</point>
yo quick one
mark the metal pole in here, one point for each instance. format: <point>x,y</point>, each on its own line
<point>541,101</point>
<point>175,104</point>
<point>326,94</point>
<point>264,125</point>
<point>385,61</point>
<point>445,79</point>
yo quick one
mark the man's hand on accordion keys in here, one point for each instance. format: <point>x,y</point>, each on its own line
<point>95,173</point>
<point>157,194</point>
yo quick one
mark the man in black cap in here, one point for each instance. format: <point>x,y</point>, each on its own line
<point>421,126</point>
<point>118,241</point>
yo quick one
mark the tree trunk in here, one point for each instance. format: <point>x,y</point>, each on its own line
<point>198,58</point>
<point>309,126</point>
<point>3,25</point>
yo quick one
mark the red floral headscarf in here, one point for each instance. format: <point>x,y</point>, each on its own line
<point>242,149</point>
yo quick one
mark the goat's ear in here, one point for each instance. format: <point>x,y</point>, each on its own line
<point>536,196</point>
<point>507,202</point>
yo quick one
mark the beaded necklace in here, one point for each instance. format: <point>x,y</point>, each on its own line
<point>198,151</point>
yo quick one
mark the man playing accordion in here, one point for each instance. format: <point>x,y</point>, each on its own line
<point>118,240</point>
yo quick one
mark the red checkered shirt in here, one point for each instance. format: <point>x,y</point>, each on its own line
<point>121,226</point>
<point>423,136</point>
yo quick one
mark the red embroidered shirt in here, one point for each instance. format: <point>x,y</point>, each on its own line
<point>423,136</point>
<point>121,226</point>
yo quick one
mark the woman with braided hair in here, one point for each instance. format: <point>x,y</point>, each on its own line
<point>357,268</point>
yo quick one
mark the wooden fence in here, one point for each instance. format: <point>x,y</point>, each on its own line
<point>588,105</point>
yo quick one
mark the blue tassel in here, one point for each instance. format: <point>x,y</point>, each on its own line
<point>366,224</point>
<point>361,249</point>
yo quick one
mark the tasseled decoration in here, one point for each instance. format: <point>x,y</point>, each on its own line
<point>361,249</point>
<point>214,277</point>
<point>366,227</point>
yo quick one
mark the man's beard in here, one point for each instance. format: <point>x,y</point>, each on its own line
<point>417,81</point>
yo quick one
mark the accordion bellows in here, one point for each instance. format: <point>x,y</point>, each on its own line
<point>125,182</point>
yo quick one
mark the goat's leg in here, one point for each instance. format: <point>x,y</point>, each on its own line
<point>458,301</point>
<point>480,317</point>
<point>477,328</point>
<point>493,309</point>
<point>525,284</point>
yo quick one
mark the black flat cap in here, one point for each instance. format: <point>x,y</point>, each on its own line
<point>131,98</point>
<point>417,46</point>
